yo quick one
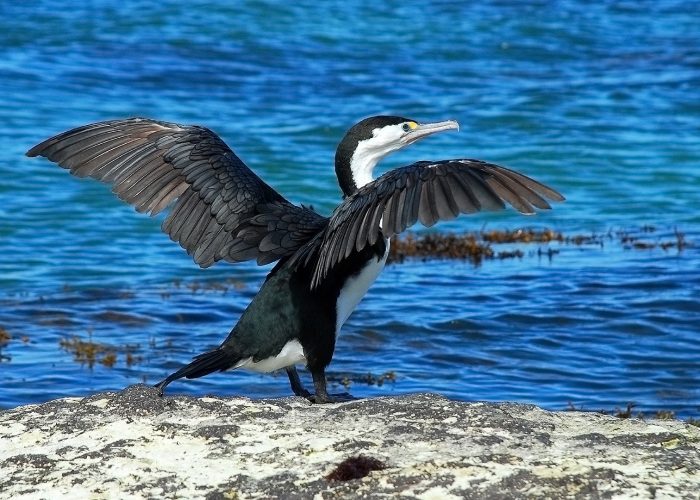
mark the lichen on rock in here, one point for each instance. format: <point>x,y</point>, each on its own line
<point>136,444</point>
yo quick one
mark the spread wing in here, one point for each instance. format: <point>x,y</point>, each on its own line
<point>220,208</point>
<point>426,192</point>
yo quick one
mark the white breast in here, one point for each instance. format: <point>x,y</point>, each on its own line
<point>356,287</point>
<point>291,354</point>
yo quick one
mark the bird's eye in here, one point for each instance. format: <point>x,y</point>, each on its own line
<point>406,127</point>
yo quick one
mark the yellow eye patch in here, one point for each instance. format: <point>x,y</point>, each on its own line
<point>413,125</point>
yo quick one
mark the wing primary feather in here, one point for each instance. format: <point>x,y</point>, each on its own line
<point>385,224</point>
<point>61,153</point>
<point>196,223</point>
<point>413,204</point>
<point>396,218</point>
<point>169,224</point>
<point>427,213</point>
<point>168,194</point>
<point>107,160</point>
<point>505,193</point>
<point>346,241</point>
<point>112,170</point>
<point>355,225</point>
<point>51,148</point>
<point>533,186</point>
<point>375,223</point>
<point>467,201</point>
<point>524,192</point>
<point>187,219</point>
<point>208,234</point>
<point>82,162</point>
<point>488,200</point>
<point>444,202</point>
<point>152,185</point>
<point>132,184</point>
<point>335,251</point>
<point>364,228</point>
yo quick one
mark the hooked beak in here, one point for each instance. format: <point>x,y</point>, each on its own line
<point>426,129</point>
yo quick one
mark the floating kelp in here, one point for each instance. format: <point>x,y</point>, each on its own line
<point>479,246</point>
<point>208,286</point>
<point>122,318</point>
<point>347,379</point>
<point>89,352</point>
<point>5,338</point>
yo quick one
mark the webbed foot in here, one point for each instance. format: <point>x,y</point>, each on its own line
<point>331,398</point>
<point>322,396</point>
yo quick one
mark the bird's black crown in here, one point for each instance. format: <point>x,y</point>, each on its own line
<point>359,132</point>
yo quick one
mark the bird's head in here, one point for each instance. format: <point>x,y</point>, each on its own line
<point>370,140</point>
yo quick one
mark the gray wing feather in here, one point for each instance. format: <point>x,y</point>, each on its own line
<point>214,196</point>
<point>425,192</point>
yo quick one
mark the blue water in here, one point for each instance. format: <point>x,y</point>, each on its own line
<point>599,100</point>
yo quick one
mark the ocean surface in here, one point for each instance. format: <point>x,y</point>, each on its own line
<point>600,100</point>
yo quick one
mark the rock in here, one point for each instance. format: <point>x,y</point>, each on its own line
<point>135,444</point>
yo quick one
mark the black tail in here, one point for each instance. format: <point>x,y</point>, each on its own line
<point>217,360</point>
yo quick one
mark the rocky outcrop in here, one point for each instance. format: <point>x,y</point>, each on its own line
<point>134,444</point>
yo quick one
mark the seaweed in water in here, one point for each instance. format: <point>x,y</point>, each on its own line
<point>89,352</point>
<point>5,338</point>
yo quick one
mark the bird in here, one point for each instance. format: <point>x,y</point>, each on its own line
<point>220,210</point>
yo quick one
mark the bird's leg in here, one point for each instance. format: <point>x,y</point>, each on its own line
<point>322,396</point>
<point>162,385</point>
<point>295,382</point>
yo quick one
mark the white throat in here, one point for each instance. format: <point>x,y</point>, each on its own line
<point>370,151</point>
<point>362,164</point>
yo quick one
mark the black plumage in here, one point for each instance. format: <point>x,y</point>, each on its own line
<point>426,192</point>
<point>153,164</point>
<point>221,210</point>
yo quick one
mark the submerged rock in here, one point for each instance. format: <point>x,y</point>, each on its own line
<point>134,444</point>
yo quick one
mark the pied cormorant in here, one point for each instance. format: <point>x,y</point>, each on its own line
<point>221,210</point>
